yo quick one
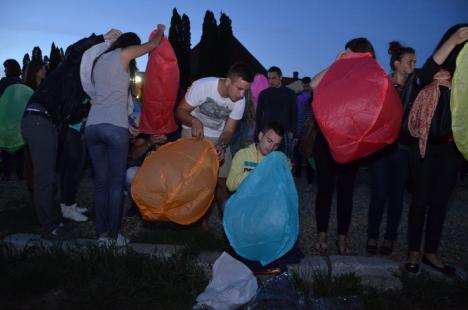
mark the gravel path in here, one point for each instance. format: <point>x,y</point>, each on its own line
<point>13,195</point>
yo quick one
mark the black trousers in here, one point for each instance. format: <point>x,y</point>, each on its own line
<point>72,162</point>
<point>41,136</point>
<point>433,179</point>
<point>7,163</point>
<point>331,174</point>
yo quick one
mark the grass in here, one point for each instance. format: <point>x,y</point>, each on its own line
<point>418,292</point>
<point>95,278</point>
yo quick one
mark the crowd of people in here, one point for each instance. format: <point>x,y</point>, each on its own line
<point>62,120</point>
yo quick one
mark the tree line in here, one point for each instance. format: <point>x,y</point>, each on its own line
<point>215,48</point>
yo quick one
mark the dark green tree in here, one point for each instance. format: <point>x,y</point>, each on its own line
<point>186,48</point>
<point>207,64</point>
<point>26,61</point>
<point>225,40</point>
<point>175,37</point>
<point>55,57</point>
<point>36,54</point>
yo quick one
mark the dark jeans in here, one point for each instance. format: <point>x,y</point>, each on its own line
<point>41,137</point>
<point>7,162</point>
<point>331,174</point>
<point>434,178</point>
<point>71,164</point>
<point>108,149</point>
<point>389,175</point>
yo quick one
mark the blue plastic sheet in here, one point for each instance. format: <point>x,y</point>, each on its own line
<point>261,219</point>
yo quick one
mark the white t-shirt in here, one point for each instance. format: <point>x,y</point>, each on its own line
<point>210,108</point>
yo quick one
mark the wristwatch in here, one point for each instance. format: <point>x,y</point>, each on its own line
<point>223,145</point>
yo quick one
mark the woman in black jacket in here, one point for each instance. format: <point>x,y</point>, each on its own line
<point>435,160</point>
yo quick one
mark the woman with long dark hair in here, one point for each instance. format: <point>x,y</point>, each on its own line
<point>331,174</point>
<point>107,129</point>
<point>390,166</point>
<point>435,161</point>
<point>35,73</point>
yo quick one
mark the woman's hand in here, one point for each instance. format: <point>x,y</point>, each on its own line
<point>460,36</point>
<point>112,34</point>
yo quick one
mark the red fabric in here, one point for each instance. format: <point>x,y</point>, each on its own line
<point>357,108</point>
<point>423,108</point>
<point>160,89</point>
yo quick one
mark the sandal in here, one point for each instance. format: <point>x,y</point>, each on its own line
<point>371,248</point>
<point>412,268</point>
<point>445,269</point>
<point>321,247</point>
<point>342,250</point>
<point>386,248</point>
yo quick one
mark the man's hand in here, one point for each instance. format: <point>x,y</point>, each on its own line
<point>133,131</point>
<point>112,34</point>
<point>220,152</point>
<point>197,128</point>
<point>157,139</point>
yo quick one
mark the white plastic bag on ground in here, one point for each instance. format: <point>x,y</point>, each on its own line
<point>232,285</point>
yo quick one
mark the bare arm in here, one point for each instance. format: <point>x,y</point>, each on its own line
<point>460,36</point>
<point>317,78</point>
<point>229,130</point>
<point>142,145</point>
<point>226,137</point>
<point>135,51</point>
<point>183,114</point>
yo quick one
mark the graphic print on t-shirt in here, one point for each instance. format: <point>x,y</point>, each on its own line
<point>211,114</point>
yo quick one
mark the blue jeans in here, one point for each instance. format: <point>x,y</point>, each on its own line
<point>108,150</point>
<point>389,176</point>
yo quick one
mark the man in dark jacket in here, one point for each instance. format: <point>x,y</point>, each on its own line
<point>278,104</point>
<point>57,102</point>
<point>12,74</point>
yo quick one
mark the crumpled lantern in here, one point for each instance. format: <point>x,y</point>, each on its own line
<point>357,108</point>
<point>259,83</point>
<point>459,102</point>
<point>160,88</point>
<point>176,183</point>
<point>12,104</point>
<point>261,219</point>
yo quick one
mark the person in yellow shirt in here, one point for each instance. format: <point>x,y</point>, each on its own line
<point>248,158</point>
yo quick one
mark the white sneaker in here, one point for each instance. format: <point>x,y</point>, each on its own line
<point>78,209</point>
<point>104,242</point>
<point>71,213</point>
<point>121,240</point>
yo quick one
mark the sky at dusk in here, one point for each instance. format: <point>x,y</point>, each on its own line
<point>303,36</point>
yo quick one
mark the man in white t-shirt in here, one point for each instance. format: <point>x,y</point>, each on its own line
<point>212,107</point>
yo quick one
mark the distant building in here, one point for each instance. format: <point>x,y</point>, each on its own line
<point>239,54</point>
